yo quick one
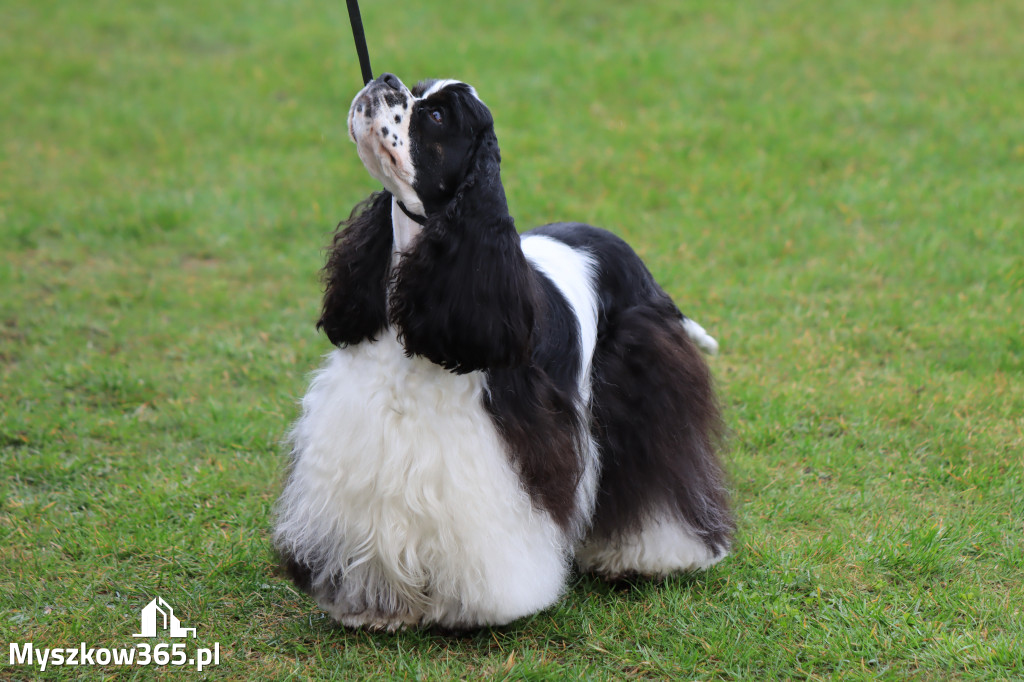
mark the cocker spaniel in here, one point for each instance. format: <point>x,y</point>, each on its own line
<point>498,406</point>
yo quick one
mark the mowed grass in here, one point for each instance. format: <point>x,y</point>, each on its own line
<point>835,190</point>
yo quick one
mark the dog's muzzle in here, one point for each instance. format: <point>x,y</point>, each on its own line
<point>387,90</point>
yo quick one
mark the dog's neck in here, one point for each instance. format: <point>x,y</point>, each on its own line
<point>405,231</point>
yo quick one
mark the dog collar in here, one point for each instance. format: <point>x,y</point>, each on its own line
<point>412,216</point>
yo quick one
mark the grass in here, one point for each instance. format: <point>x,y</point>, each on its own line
<point>833,189</point>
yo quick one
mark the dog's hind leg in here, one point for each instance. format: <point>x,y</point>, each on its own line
<point>662,504</point>
<point>660,547</point>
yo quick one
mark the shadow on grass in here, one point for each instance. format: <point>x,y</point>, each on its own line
<point>586,595</point>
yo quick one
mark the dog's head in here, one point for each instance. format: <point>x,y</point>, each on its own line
<point>460,293</point>
<point>419,143</point>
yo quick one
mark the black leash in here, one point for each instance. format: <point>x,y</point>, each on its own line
<point>360,38</point>
<point>364,65</point>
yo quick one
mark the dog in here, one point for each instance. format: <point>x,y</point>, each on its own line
<point>497,407</point>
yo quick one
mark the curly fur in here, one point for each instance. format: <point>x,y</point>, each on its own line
<point>473,240</point>
<point>356,274</point>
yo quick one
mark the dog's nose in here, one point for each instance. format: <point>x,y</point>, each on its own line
<point>391,80</point>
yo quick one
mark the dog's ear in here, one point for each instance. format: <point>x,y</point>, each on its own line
<point>462,296</point>
<point>356,274</point>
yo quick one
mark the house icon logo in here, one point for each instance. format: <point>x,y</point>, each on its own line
<point>159,614</point>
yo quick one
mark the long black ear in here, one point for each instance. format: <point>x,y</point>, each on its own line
<point>356,273</point>
<point>462,297</point>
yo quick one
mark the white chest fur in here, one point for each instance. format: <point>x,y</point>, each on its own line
<point>401,487</point>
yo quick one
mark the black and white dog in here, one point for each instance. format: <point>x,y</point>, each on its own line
<point>497,406</point>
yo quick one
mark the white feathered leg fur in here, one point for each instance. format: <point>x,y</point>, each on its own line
<point>662,547</point>
<point>402,499</point>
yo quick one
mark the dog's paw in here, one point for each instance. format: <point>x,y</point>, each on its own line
<point>375,621</point>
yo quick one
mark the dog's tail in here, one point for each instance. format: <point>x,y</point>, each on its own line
<point>700,336</point>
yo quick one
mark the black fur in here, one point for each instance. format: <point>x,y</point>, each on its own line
<point>463,297</point>
<point>444,152</point>
<point>356,274</point>
<point>655,416</point>
<point>534,407</point>
<point>299,573</point>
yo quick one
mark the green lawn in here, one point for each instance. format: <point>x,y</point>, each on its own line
<point>834,189</point>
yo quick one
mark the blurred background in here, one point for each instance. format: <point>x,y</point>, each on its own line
<point>834,190</point>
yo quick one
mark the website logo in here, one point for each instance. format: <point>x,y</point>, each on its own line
<point>159,613</point>
<point>157,620</point>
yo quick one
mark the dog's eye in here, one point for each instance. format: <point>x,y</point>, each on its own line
<point>436,116</point>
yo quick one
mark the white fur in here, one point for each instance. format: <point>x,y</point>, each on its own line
<point>574,273</point>
<point>383,144</point>
<point>662,547</point>
<point>383,141</point>
<point>401,484</point>
<point>704,341</point>
<point>404,230</point>
<point>443,83</point>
